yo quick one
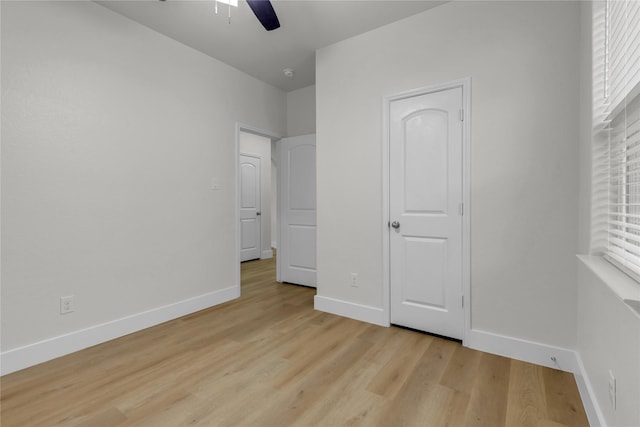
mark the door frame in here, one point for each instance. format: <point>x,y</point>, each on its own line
<point>465,84</point>
<point>241,127</point>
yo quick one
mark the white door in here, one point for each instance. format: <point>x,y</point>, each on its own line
<point>249,208</point>
<point>426,194</point>
<point>296,258</point>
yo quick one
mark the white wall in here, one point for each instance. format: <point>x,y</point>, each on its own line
<point>608,340</point>
<point>301,111</point>
<point>585,110</point>
<point>608,335</point>
<point>111,134</point>
<point>523,58</point>
<point>260,146</point>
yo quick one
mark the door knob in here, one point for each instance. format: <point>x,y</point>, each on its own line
<point>395,224</point>
<point>258,213</point>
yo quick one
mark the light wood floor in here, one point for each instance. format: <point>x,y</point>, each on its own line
<point>268,359</point>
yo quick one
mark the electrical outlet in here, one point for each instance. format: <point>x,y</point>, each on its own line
<point>67,304</point>
<point>354,280</point>
<point>612,390</point>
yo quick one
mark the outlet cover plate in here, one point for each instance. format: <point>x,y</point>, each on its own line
<point>67,304</point>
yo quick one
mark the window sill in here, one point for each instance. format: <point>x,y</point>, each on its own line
<point>623,286</point>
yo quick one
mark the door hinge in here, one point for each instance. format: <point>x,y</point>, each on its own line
<point>461,209</point>
<point>462,115</point>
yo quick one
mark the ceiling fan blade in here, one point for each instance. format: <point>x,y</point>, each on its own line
<point>265,13</point>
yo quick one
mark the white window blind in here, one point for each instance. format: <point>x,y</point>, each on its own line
<point>624,188</point>
<point>623,51</point>
<point>616,155</point>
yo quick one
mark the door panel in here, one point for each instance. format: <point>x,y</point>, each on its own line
<point>423,281</point>
<point>425,174</point>
<point>302,166</point>
<point>249,208</point>
<point>249,174</point>
<point>297,210</point>
<point>425,162</point>
<point>248,232</point>
<point>305,256</point>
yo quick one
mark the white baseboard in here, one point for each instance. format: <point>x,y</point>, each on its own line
<point>591,407</point>
<point>364,313</point>
<point>33,354</point>
<point>267,254</point>
<point>527,351</point>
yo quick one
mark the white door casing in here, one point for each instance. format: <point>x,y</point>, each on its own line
<point>426,195</point>
<point>249,207</point>
<point>296,260</point>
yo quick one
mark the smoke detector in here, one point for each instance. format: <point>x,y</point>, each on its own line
<point>288,72</point>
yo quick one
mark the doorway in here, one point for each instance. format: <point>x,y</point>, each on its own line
<point>254,195</point>
<point>253,147</point>
<point>250,207</point>
<point>427,199</point>
<point>286,214</point>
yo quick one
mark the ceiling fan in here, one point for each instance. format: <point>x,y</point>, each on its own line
<point>261,8</point>
<point>265,13</point>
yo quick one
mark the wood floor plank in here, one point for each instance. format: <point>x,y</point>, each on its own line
<point>456,410</point>
<point>564,404</point>
<point>109,417</point>
<point>269,359</point>
<point>435,360</point>
<point>306,358</point>
<point>313,387</point>
<point>527,404</point>
<point>488,400</point>
<point>422,400</point>
<point>400,368</point>
<point>348,402</point>
<point>462,370</point>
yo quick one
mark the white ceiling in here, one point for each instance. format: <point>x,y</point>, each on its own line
<point>306,25</point>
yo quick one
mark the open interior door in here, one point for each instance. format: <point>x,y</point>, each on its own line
<point>296,260</point>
